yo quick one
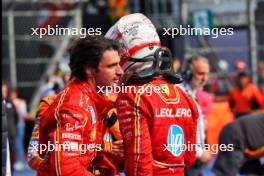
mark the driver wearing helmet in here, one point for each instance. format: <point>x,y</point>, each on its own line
<point>158,127</point>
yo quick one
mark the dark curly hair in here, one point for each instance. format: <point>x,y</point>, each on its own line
<point>88,51</point>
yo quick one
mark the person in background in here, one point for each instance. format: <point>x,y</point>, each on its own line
<point>240,66</point>
<point>244,140</point>
<point>196,75</point>
<point>21,109</point>
<point>54,84</point>
<point>6,169</point>
<point>12,120</point>
<point>246,96</point>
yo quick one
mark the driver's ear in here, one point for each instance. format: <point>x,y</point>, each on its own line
<point>89,71</point>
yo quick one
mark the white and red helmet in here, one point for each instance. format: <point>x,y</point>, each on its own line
<point>136,34</point>
<point>138,38</point>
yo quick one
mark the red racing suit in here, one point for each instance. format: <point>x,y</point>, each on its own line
<point>157,120</point>
<point>69,129</point>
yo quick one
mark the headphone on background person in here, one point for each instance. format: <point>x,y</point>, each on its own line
<point>188,72</point>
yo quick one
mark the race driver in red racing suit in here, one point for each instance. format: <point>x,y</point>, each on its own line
<point>75,123</point>
<point>157,119</point>
<point>153,125</point>
<point>41,165</point>
<point>69,127</point>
